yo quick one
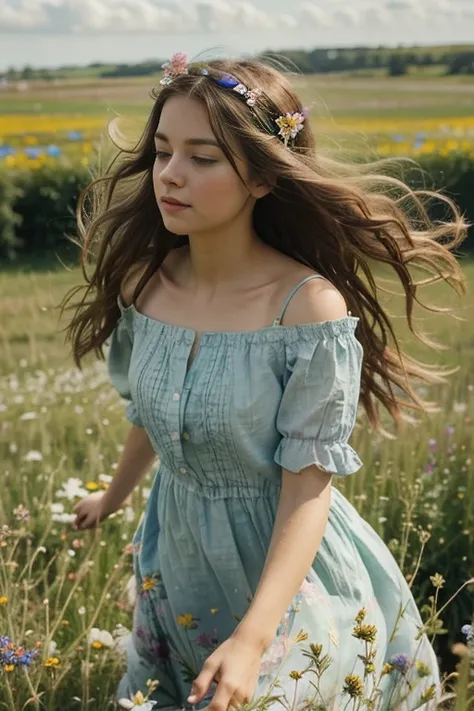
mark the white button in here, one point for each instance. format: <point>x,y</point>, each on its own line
<point>175,396</point>
<point>185,435</point>
<point>182,470</point>
<point>175,436</point>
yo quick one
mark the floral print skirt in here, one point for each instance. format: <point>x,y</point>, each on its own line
<point>351,630</point>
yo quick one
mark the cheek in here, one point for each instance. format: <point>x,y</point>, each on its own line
<point>221,188</point>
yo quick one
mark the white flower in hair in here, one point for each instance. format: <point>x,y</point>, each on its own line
<point>291,124</point>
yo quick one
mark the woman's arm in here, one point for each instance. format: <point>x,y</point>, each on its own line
<point>305,497</point>
<point>300,523</point>
<point>136,459</point>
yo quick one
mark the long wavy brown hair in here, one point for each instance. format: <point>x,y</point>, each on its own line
<point>339,218</point>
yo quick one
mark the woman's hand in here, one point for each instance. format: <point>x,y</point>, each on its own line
<point>235,666</point>
<point>90,511</point>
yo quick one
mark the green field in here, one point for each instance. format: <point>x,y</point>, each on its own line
<point>59,423</point>
<point>342,94</point>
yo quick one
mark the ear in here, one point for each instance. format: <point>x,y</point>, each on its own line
<point>259,190</point>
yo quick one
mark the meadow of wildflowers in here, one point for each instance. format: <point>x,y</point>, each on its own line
<point>65,598</point>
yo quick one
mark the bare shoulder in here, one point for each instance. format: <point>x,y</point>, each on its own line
<point>315,301</point>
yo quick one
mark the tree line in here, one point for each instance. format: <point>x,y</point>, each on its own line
<point>393,62</point>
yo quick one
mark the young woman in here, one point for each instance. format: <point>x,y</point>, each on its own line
<point>234,276</point>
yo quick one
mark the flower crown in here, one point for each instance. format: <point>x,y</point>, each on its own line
<point>289,124</point>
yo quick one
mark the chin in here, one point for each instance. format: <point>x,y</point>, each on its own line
<point>176,230</point>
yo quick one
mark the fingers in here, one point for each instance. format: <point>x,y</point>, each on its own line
<point>237,700</point>
<point>222,698</point>
<point>85,520</point>
<point>79,523</point>
<point>202,684</point>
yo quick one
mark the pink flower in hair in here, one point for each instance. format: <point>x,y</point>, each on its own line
<point>178,64</point>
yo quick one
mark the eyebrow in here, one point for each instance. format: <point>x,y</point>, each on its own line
<point>191,141</point>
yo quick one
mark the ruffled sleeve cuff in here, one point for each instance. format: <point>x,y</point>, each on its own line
<point>333,457</point>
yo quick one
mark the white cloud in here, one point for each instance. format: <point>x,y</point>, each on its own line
<point>28,15</point>
<point>415,8</point>
<point>215,15</point>
<point>400,4</point>
<point>253,18</point>
<point>377,15</point>
<point>286,21</point>
<point>97,16</point>
<point>186,17</point>
<point>348,16</point>
<point>314,16</point>
<point>127,16</point>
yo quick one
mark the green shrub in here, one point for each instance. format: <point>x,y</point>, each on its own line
<point>10,221</point>
<point>46,203</point>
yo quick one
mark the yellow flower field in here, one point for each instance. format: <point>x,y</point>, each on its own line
<point>17,124</point>
<point>28,141</point>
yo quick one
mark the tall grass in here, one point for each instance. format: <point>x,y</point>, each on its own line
<point>64,598</point>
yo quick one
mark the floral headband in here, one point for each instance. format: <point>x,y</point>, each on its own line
<point>289,124</point>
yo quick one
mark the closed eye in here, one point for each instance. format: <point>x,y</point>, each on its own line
<point>162,155</point>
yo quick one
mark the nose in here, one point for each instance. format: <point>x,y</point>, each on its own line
<point>172,173</point>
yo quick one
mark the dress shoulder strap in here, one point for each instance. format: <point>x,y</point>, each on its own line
<point>277,321</point>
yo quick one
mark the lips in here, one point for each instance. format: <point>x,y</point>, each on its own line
<point>173,201</point>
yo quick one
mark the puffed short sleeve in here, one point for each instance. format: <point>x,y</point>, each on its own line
<point>319,404</point>
<point>118,361</point>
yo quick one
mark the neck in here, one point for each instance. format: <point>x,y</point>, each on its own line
<point>224,259</point>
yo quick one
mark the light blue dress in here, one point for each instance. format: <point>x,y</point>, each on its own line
<point>249,404</point>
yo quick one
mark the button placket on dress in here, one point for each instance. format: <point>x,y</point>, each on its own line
<point>177,402</point>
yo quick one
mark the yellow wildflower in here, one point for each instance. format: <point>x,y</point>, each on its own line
<point>422,669</point>
<point>353,685</point>
<point>316,649</point>
<point>52,662</point>
<point>386,669</point>
<point>91,486</point>
<point>295,675</point>
<point>437,580</point>
<point>301,636</point>
<point>365,632</point>
<point>9,667</point>
<point>361,615</point>
<point>428,694</point>
<point>3,600</point>
<point>148,583</point>
<point>186,620</point>
<point>97,645</point>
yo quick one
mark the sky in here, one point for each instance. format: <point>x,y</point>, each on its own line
<point>50,33</point>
